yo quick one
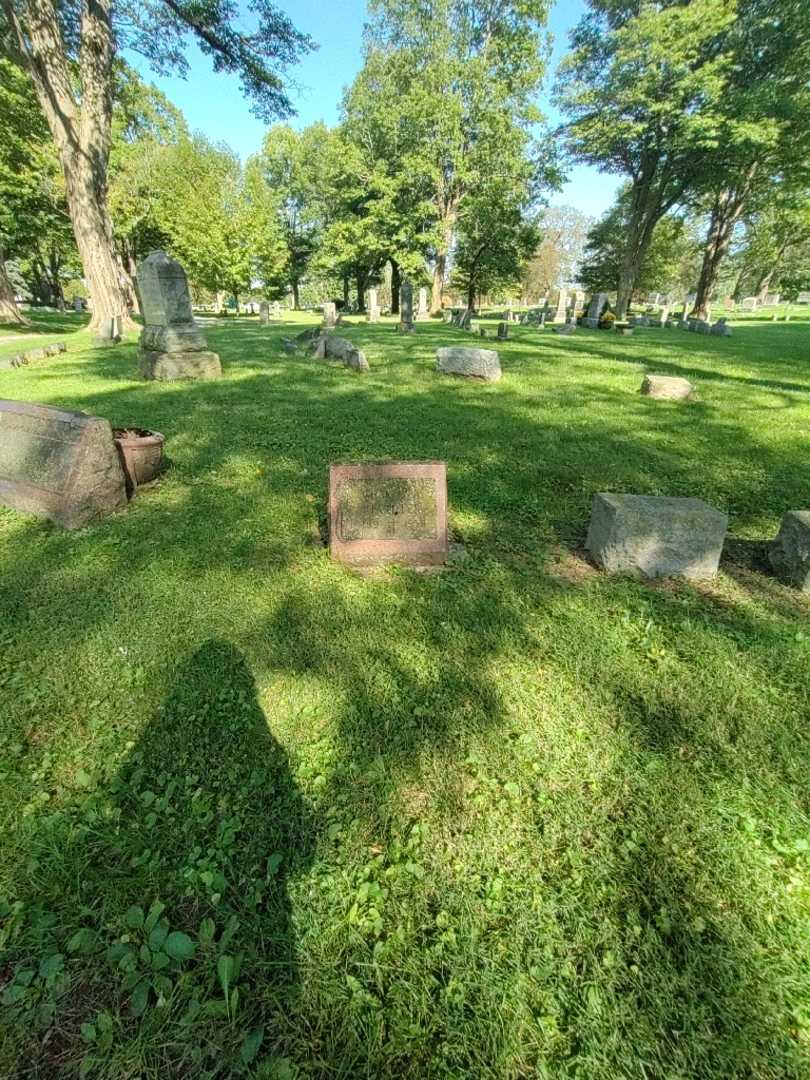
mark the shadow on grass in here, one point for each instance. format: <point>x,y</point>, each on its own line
<point>200,829</point>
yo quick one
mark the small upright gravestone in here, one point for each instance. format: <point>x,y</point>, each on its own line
<point>264,313</point>
<point>58,464</point>
<point>172,346</point>
<point>560,315</point>
<point>77,303</point>
<point>503,331</point>
<point>276,309</point>
<point>405,324</point>
<point>373,306</point>
<point>394,511</point>
<point>652,536</point>
<point>790,551</point>
<point>422,311</point>
<point>329,314</point>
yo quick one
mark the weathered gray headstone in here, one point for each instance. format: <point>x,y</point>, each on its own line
<point>749,303</point>
<point>405,325</point>
<point>373,305</point>
<point>771,299</point>
<point>654,536</point>
<point>264,313</point>
<point>560,315</point>
<point>109,332</point>
<point>666,388</point>
<point>471,363</point>
<point>595,309</point>
<point>331,347</point>
<point>422,311</point>
<point>503,331</point>
<point>58,464</point>
<point>77,303</point>
<point>803,298</point>
<point>566,330</point>
<point>385,512</point>
<point>329,314</point>
<point>790,551</point>
<point>172,345</point>
<point>276,309</point>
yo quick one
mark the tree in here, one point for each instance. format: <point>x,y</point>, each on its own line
<point>294,166</point>
<point>34,223</point>
<point>645,87</point>
<point>669,263</point>
<point>441,84</point>
<point>765,132</point>
<point>775,251</point>
<point>241,240</point>
<point>557,258</point>
<point>144,122</point>
<point>71,62</point>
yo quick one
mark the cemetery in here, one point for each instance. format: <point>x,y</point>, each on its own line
<point>405,591</point>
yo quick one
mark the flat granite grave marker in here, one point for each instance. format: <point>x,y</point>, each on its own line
<point>384,512</point>
<point>172,345</point>
<point>653,536</point>
<point>790,551</point>
<point>58,464</point>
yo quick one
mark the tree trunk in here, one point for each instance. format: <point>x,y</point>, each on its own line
<point>765,278</point>
<point>235,296</point>
<point>396,283</point>
<point>728,206</point>
<point>471,296</point>
<point>360,283</point>
<point>81,133</point>
<point>725,214</point>
<point>132,270</point>
<point>646,212</point>
<point>9,312</point>
<point>345,290</point>
<point>448,219</point>
<point>296,296</point>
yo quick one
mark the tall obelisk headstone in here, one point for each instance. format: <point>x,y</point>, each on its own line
<point>172,345</point>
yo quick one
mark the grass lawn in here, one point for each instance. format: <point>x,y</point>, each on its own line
<point>261,816</point>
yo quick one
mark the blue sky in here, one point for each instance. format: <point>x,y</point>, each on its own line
<point>214,105</point>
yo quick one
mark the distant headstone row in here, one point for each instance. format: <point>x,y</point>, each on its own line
<point>21,359</point>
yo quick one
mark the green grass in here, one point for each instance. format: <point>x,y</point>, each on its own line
<point>515,820</point>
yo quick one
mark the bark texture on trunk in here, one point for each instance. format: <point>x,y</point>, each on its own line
<point>726,211</point>
<point>9,312</point>
<point>440,265</point>
<point>360,279</point>
<point>645,212</point>
<point>81,133</point>
<point>296,297</point>
<point>396,284</point>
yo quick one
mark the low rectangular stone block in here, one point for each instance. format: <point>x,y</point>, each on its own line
<point>384,512</point>
<point>653,536</point>
<point>57,464</point>
<point>790,551</point>
<point>179,365</point>
<point>468,362</point>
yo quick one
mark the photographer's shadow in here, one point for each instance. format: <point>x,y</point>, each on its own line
<point>212,824</point>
